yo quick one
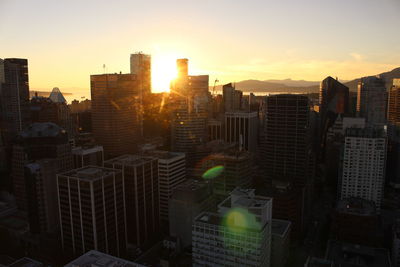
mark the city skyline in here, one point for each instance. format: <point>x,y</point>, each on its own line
<point>229,41</point>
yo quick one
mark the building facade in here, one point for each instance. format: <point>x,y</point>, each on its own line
<point>241,128</point>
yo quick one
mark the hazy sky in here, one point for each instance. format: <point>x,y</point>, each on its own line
<point>66,41</point>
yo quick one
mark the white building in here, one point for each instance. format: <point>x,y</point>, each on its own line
<point>238,235</point>
<point>363,166</point>
<point>171,173</point>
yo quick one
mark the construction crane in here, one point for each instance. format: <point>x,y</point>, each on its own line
<point>215,82</point>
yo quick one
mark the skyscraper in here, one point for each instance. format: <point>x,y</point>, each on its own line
<point>241,128</point>
<point>141,67</point>
<point>14,96</point>
<point>334,100</point>
<point>88,156</point>
<point>238,235</point>
<point>232,98</point>
<point>287,149</point>
<point>141,196</point>
<point>116,112</point>
<point>91,210</point>
<point>371,100</point>
<point>39,141</point>
<point>363,166</point>
<point>393,115</point>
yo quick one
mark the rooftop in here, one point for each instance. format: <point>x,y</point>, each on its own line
<point>131,160</point>
<point>356,206</point>
<point>280,227</point>
<point>45,129</point>
<point>90,173</point>
<point>26,262</point>
<point>95,258</point>
<point>245,198</point>
<point>366,132</point>
<point>86,150</point>
<point>162,154</point>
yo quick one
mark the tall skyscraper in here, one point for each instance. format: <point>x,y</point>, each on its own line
<point>141,67</point>
<point>238,235</point>
<point>241,128</point>
<point>141,196</point>
<point>188,200</point>
<point>371,100</point>
<point>14,96</point>
<point>92,211</point>
<point>116,112</point>
<point>236,172</point>
<point>363,165</point>
<point>232,98</point>
<point>334,100</point>
<point>39,141</point>
<point>393,115</point>
<point>171,173</point>
<point>287,149</point>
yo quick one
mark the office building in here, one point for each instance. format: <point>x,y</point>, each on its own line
<point>96,258</point>
<point>141,67</point>
<point>232,98</point>
<point>396,244</point>
<point>286,148</point>
<point>116,116</point>
<point>356,221</point>
<point>236,172</point>
<point>87,155</point>
<point>215,129</point>
<point>393,115</point>
<point>241,128</point>
<point>91,210</point>
<point>141,196</point>
<point>238,235</point>
<point>372,100</point>
<point>171,173</point>
<point>346,254</point>
<point>14,97</point>
<point>188,200</point>
<point>39,141</point>
<point>363,164</point>
<point>280,243</point>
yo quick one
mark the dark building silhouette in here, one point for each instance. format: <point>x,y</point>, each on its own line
<point>141,197</point>
<point>116,112</point>
<point>141,67</point>
<point>393,115</point>
<point>40,141</point>
<point>334,100</point>
<point>232,98</point>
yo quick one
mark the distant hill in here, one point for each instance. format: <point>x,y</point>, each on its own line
<point>300,86</point>
<point>43,93</point>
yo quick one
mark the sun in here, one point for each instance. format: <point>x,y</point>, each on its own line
<point>163,71</point>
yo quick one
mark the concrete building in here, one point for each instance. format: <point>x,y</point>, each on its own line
<point>188,200</point>
<point>95,258</point>
<point>215,129</point>
<point>116,112</point>
<point>393,115</point>
<point>241,128</point>
<point>280,244</point>
<point>91,210</point>
<point>372,100</point>
<point>141,67</point>
<point>85,156</point>
<point>363,165</point>
<point>141,196</point>
<point>396,244</point>
<point>39,141</point>
<point>238,235</point>
<point>236,171</point>
<point>171,173</point>
<point>346,254</point>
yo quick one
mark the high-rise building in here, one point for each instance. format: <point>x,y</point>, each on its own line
<point>214,127</point>
<point>39,141</point>
<point>141,196</point>
<point>238,235</point>
<point>141,67</point>
<point>92,211</point>
<point>14,97</point>
<point>236,171</point>
<point>188,200</point>
<point>372,100</point>
<point>287,148</point>
<point>363,165</point>
<point>280,243</point>
<point>393,115</point>
<point>396,244</point>
<point>334,100</point>
<point>95,258</point>
<point>241,128</point>
<point>232,98</point>
<point>85,156</point>
<point>116,118</point>
<point>171,173</point>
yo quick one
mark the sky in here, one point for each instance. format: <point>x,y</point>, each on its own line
<point>231,40</point>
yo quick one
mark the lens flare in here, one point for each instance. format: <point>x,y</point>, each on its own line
<point>213,172</point>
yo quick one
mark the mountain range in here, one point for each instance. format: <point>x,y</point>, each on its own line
<point>300,86</point>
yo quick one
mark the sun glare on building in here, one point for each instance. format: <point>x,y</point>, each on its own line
<point>163,72</point>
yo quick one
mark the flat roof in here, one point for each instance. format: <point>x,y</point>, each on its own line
<point>163,154</point>
<point>356,206</point>
<point>280,227</point>
<point>94,258</point>
<point>26,262</point>
<point>131,160</point>
<point>90,173</point>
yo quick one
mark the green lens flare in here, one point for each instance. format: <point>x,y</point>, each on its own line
<point>213,172</point>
